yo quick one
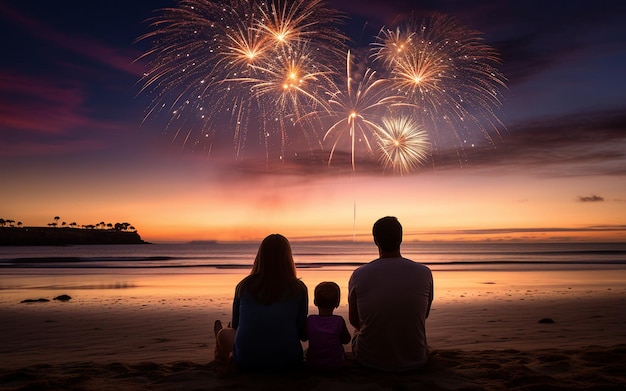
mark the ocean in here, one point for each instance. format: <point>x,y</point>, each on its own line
<point>205,274</point>
<point>210,255</point>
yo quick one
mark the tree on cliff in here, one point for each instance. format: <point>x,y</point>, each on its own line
<point>56,220</point>
<point>122,226</point>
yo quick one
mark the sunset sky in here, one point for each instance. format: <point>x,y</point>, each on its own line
<point>73,145</point>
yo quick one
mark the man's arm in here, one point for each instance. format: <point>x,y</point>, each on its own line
<point>430,297</point>
<point>353,311</point>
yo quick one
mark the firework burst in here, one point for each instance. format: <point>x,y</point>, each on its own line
<point>358,105</point>
<point>288,85</point>
<point>403,144</point>
<point>289,21</point>
<point>392,46</point>
<point>237,57</point>
<point>447,71</point>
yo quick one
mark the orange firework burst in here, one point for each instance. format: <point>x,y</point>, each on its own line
<point>289,84</point>
<point>298,21</point>
<point>392,46</point>
<point>225,55</point>
<point>447,71</point>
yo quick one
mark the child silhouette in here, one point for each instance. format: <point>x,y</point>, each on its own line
<point>327,332</point>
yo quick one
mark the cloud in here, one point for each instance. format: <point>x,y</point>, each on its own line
<point>589,143</point>
<point>592,198</point>
<point>41,115</point>
<point>530,230</point>
<point>40,105</point>
<point>41,148</point>
<point>510,234</point>
<point>585,144</point>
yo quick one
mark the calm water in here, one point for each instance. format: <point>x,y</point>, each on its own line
<point>439,256</point>
<point>199,274</point>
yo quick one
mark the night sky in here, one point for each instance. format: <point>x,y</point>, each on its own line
<point>74,143</point>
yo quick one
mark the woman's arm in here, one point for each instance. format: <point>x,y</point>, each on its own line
<point>303,311</point>
<point>236,302</point>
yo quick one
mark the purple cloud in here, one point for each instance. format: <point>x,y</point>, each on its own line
<point>592,198</point>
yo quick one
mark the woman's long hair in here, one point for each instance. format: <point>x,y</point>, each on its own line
<point>273,275</point>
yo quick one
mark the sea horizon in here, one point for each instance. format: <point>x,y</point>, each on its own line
<point>319,254</point>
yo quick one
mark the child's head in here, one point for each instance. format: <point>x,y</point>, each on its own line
<point>327,295</point>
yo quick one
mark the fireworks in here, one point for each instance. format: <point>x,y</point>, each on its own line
<point>403,143</point>
<point>358,106</point>
<point>446,71</point>
<point>259,63</point>
<point>272,69</point>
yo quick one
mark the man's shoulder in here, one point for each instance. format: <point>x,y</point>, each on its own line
<point>360,272</point>
<point>388,266</point>
<point>416,264</point>
<point>385,262</point>
<point>367,266</point>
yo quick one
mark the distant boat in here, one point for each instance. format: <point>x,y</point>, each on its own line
<point>203,242</point>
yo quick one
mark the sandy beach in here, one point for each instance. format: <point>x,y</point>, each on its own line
<point>487,331</point>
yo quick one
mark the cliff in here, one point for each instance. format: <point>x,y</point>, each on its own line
<point>45,236</point>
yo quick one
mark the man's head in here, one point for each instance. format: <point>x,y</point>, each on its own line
<point>387,233</point>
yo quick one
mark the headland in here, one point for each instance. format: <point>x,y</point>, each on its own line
<point>63,236</point>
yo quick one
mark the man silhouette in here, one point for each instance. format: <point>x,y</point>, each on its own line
<point>389,300</point>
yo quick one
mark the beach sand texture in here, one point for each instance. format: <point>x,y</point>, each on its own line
<point>156,336</point>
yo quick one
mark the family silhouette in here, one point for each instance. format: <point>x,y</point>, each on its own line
<point>389,300</point>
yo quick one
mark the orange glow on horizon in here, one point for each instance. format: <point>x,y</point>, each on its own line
<point>438,206</point>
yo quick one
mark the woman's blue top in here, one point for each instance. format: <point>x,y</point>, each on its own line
<point>268,335</point>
